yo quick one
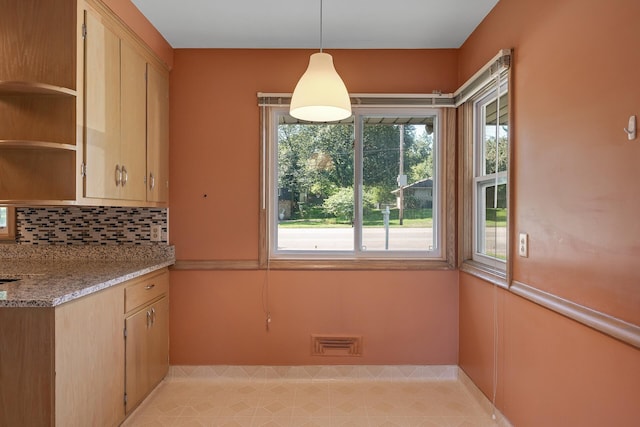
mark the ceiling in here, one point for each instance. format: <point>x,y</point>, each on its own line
<point>347,24</point>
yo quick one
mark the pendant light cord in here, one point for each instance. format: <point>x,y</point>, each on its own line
<point>320,26</point>
<point>266,308</point>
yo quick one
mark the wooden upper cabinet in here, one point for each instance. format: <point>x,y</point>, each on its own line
<point>116,115</point>
<point>38,42</point>
<point>133,120</point>
<point>73,108</point>
<point>157,135</point>
<point>38,101</point>
<point>102,109</point>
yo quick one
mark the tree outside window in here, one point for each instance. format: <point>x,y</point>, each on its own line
<point>339,187</point>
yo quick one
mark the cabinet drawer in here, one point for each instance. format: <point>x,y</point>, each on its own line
<point>145,290</point>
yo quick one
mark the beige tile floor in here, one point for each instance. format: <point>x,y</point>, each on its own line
<point>311,402</point>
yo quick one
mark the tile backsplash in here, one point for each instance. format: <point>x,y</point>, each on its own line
<point>81,225</point>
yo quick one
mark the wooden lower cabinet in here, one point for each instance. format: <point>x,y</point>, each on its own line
<point>27,367</point>
<point>147,338</point>
<point>66,365</point>
<point>63,366</point>
<point>89,364</point>
<point>147,351</point>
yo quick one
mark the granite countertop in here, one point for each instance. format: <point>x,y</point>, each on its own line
<point>50,276</point>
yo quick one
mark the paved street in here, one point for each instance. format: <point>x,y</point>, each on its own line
<point>326,239</point>
<point>342,238</point>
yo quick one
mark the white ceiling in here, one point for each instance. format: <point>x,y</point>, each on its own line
<point>347,24</point>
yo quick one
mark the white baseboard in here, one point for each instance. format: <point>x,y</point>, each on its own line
<point>317,372</point>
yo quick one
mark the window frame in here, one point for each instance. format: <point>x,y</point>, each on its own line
<point>491,269</point>
<point>437,212</point>
<point>480,177</point>
<point>358,259</point>
<point>8,233</point>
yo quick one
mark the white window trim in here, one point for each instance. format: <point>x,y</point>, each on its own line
<point>357,252</point>
<point>479,217</point>
<point>443,225</point>
<point>489,95</point>
<point>490,269</point>
<point>9,232</point>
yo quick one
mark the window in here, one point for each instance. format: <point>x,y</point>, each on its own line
<point>484,129</point>
<point>370,187</point>
<point>7,223</point>
<point>490,176</point>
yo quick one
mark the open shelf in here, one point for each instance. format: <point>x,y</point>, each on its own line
<point>27,173</point>
<point>33,117</point>
<point>35,145</point>
<point>33,88</point>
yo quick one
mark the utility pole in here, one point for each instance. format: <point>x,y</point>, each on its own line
<point>401,180</point>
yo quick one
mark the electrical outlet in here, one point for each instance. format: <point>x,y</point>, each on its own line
<point>523,245</point>
<point>156,233</point>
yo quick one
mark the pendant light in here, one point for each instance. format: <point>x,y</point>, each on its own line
<point>320,95</point>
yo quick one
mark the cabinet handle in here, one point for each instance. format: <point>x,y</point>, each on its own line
<point>125,176</point>
<point>153,316</point>
<point>118,175</point>
<point>149,287</point>
<point>149,321</point>
<point>152,181</point>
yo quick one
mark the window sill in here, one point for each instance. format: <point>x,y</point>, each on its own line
<point>358,264</point>
<point>492,275</point>
<point>7,238</point>
<point>315,264</point>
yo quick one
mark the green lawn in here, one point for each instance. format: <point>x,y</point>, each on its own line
<point>417,218</point>
<point>496,217</point>
<point>313,223</point>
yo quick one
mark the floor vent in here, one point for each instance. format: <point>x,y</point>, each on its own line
<point>336,345</point>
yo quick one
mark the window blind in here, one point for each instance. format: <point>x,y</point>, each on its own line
<point>498,64</point>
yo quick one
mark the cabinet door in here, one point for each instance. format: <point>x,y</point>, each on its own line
<point>133,107</point>
<point>157,135</point>
<point>27,374</point>
<point>89,367</point>
<point>159,342</point>
<point>102,109</point>
<point>147,350</point>
<point>136,357</point>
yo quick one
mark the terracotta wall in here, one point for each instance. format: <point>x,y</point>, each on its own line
<point>404,318</point>
<point>575,186</point>
<point>576,193</point>
<point>215,131</point>
<point>217,316</point>
<point>552,371</point>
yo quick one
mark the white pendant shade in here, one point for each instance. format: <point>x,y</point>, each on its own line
<point>320,95</point>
